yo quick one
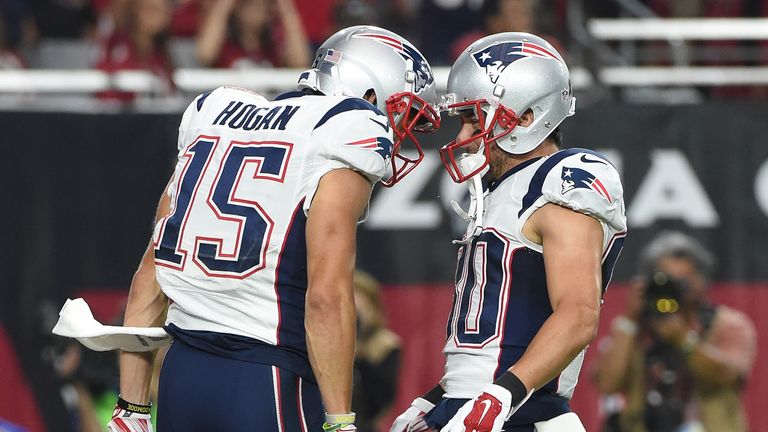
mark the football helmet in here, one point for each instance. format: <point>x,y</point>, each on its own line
<point>499,78</point>
<point>362,58</point>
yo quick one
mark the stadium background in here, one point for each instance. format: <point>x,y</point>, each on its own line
<point>81,176</point>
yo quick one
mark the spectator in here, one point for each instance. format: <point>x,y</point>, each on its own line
<point>261,33</point>
<point>9,58</point>
<point>139,42</point>
<point>377,357</point>
<point>500,16</point>
<point>677,359</point>
<point>188,15</point>
<point>440,24</point>
<point>63,18</point>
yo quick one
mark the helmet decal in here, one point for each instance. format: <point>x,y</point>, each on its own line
<point>496,58</point>
<point>407,51</point>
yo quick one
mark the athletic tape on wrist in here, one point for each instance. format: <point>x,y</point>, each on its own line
<point>332,419</point>
<point>435,395</point>
<point>132,407</point>
<point>512,383</point>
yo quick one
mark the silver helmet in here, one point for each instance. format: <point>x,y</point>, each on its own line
<point>358,59</point>
<point>500,77</point>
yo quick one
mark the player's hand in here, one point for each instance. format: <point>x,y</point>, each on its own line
<point>412,420</point>
<point>128,417</point>
<point>494,406</point>
<point>485,413</point>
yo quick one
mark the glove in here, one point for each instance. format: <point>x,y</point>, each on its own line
<point>489,411</point>
<point>339,423</point>
<point>412,420</point>
<point>128,417</point>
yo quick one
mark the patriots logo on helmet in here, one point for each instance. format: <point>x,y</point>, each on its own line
<point>496,58</point>
<point>380,145</point>
<point>577,178</point>
<point>407,52</point>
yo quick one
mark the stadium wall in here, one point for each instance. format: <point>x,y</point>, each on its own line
<point>80,191</point>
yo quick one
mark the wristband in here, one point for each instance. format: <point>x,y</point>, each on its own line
<point>516,388</point>
<point>348,418</point>
<point>435,395</point>
<point>132,407</point>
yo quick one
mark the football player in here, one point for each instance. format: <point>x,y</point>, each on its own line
<point>254,243</point>
<point>545,229</point>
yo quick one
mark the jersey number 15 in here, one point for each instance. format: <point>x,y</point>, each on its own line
<point>250,226</point>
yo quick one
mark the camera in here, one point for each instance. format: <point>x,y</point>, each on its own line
<point>663,295</point>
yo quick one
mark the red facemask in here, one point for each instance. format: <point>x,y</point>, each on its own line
<point>503,118</point>
<point>415,115</point>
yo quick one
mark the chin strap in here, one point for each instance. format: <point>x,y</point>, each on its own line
<point>474,214</point>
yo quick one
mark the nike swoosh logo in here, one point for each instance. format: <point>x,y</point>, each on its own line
<point>486,406</point>
<point>384,125</point>
<point>585,160</point>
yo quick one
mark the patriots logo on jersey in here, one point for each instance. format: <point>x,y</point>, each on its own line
<point>577,178</point>
<point>496,58</point>
<point>407,52</point>
<point>381,145</point>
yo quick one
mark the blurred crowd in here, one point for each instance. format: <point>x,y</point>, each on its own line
<point>161,35</point>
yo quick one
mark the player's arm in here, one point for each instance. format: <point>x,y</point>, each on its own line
<point>572,247</point>
<point>341,199</point>
<point>146,308</point>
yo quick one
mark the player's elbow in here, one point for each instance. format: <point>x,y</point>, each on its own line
<point>585,322</point>
<point>323,300</point>
<point>143,278</point>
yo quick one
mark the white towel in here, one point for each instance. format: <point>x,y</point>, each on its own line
<point>77,321</point>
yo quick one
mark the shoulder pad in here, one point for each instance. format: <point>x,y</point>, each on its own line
<point>346,105</point>
<point>358,135</point>
<point>582,180</point>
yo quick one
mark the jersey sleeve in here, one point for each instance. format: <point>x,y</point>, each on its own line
<point>581,180</point>
<point>353,135</point>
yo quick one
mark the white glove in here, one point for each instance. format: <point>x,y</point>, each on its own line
<point>128,417</point>
<point>412,420</point>
<point>487,412</point>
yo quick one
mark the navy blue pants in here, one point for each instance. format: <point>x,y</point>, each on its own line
<point>200,391</point>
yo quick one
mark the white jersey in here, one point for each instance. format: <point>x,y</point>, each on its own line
<point>501,298</point>
<point>231,255</point>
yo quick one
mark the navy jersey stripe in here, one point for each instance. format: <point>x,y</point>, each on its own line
<point>611,256</point>
<point>350,104</point>
<point>202,99</point>
<point>528,306</point>
<point>290,94</point>
<point>537,181</point>
<point>291,283</point>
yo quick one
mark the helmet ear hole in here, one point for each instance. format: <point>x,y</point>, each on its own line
<point>526,119</point>
<point>370,96</point>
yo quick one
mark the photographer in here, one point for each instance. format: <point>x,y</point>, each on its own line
<point>678,361</point>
